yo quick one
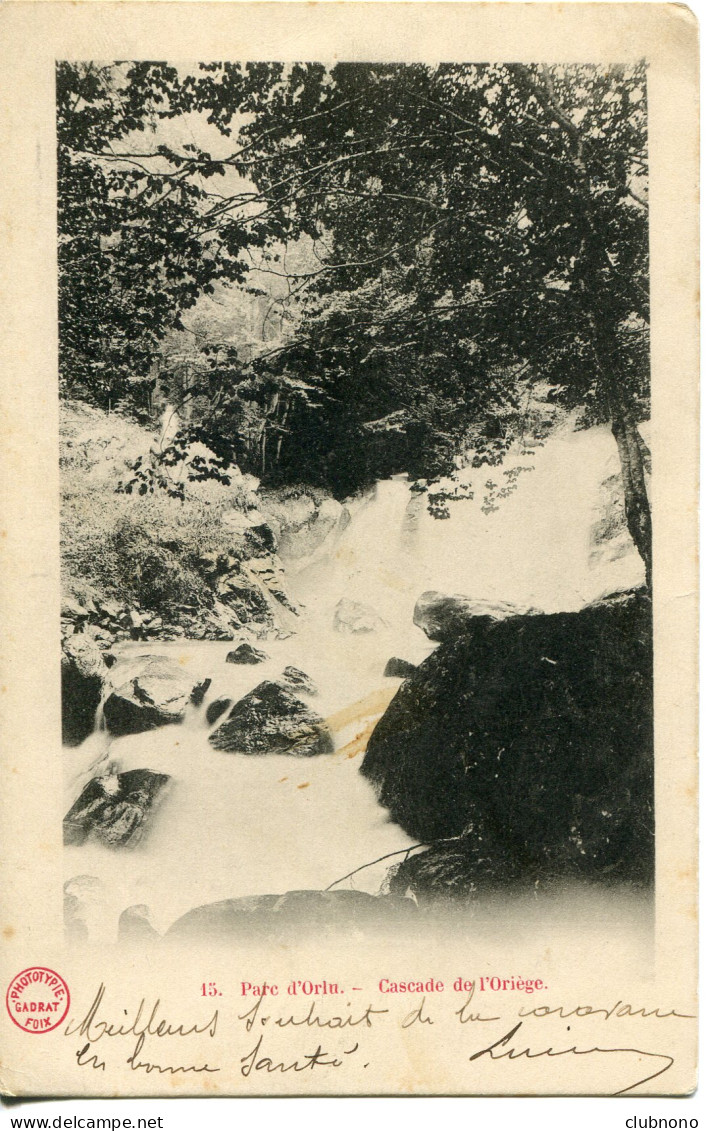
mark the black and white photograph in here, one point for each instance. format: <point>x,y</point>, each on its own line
<point>355,462</point>
<point>351,560</point>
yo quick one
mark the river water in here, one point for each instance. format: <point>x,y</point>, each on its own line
<point>235,825</point>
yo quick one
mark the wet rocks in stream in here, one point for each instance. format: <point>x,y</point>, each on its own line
<point>84,666</point>
<point>84,901</point>
<point>149,692</point>
<point>272,720</point>
<point>522,747</point>
<point>135,926</point>
<point>355,617</point>
<point>299,681</point>
<point>399,669</point>
<point>445,615</point>
<point>216,709</point>
<point>303,518</point>
<point>115,810</point>
<point>288,915</point>
<point>246,654</point>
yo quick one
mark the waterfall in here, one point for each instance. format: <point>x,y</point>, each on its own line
<point>235,825</point>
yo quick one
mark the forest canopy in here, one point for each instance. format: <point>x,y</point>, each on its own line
<point>340,273</point>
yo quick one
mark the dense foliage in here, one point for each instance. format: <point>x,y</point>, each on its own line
<point>471,231</point>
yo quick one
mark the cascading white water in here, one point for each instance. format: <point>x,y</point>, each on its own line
<point>236,825</point>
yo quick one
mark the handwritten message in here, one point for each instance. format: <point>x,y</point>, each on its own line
<point>474,1028</point>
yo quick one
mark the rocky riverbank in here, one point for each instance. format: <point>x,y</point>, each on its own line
<point>231,707</point>
<point>206,568</point>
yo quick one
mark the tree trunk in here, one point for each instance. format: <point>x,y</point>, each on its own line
<point>633,452</point>
<point>636,501</point>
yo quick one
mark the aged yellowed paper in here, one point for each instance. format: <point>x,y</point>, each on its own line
<point>349,549</point>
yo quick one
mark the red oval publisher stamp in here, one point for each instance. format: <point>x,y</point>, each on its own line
<point>37,999</point>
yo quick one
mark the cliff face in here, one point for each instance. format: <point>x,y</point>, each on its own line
<point>530,740</point>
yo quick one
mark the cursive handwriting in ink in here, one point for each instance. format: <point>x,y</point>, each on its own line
<point>148,1066</point>
<point>513,1053</point>
<point>85,1061</point>
<point>466,1014</point>
<point>312,1019</point>
<point>339,1021</point>
<point>252,1062</point>
<point>619,1009</point>
<point>417,1016</point>
<point>93,1029</point>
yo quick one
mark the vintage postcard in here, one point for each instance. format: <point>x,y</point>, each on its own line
<point>349,549</point>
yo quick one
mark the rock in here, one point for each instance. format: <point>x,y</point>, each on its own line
<point>245,599</point>
<point>198,692</point>
<point>112,609</point>
<point>282,597</point>
<point>250,528</point>
<point>246,654</point>
<point>265,568</point>
<point>457,870</point>
<point>610,540</point>
<point>149,692</point>
<point>271,720</point>
<point>261,536</point>
<point>442,616</point>
<point>72,610</point>
<point>134,925</point>
<point>531,737</point>
<point>216,709</point>
<point>355,617</point>
<point>399,669</point>
<point>269,581</point>
<point>216,623</point>
<point>101,638</point>
<point>82,895</point>
<point>272,916</point>
<point>298,681</point>
<point>303,520</point>
<point>83,671</point>
<point>114,809</point>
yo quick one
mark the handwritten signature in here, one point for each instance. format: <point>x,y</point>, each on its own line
<point>502,1049</point>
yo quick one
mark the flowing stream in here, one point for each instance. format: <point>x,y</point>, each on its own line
<point>235,825</point>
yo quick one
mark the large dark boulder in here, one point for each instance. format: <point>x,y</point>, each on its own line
<point>272,916</point>
<point>115,810</point>
<point>217,708</point>
<point>246,654</point>
<point>83,670</point>
<point>397,668</point>
<point>531,739</point>
<point>150,692</point>
<point>445,615</point>
<point>272,720</point>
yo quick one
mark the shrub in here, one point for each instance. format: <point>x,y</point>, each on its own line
<point>146,550</point>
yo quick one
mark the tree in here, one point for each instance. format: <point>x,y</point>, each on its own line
<point>136,242</point>
<point>508,203</point>
<point>477,229</point>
